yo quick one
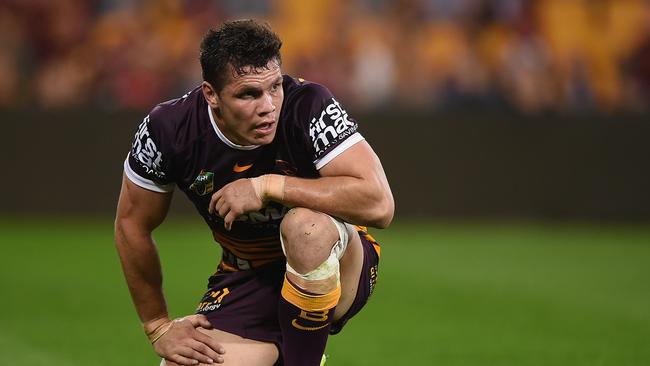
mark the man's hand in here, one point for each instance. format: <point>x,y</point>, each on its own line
<point>235,199</point>
<point>183,344</point>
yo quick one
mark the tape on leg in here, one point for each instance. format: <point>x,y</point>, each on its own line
<point>310,302</point>
<point>324,271</point>
<point>342,244</point>
<point>330,267</point>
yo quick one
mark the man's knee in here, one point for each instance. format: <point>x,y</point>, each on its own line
<point>308,237</point>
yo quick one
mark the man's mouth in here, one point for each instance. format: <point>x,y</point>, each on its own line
<point>265,128</point>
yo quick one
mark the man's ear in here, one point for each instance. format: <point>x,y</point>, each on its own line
<point>210,95</point>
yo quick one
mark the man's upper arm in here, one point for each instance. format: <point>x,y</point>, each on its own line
<point>359,161</point>
<point>147,184</point>
<point>142,208</point>
<point>338,150</point>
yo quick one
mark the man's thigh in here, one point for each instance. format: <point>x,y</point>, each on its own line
<point>351,265</point>
<point>240,351</point>
<point>245,302</point>
<point>359,268</point>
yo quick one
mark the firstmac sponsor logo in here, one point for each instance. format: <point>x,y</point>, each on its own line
<point>146,152</point>
<point>331,126</point>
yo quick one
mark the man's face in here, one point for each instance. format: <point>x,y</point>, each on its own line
<point>248,107</point>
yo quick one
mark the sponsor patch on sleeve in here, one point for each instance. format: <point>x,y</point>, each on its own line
<point>147,155</point>
<point>330,127</point>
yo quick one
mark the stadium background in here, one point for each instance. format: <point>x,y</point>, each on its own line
<point>514,134</point>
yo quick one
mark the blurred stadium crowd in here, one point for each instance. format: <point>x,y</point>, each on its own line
<point>532,56</point>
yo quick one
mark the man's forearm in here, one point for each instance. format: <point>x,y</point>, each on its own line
<point>141,266</point>
<point>352,199</point>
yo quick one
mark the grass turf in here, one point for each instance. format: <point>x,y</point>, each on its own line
<point>448,294</point>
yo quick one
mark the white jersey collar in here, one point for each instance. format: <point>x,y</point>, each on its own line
<point>223,137</point>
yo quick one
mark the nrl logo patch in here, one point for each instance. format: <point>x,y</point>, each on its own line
<point>203,184</point>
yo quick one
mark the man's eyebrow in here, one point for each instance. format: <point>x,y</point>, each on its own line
<point>247,89</point>
<point>255,88</point>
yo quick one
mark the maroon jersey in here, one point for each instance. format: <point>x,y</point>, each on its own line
<point>179,144</point>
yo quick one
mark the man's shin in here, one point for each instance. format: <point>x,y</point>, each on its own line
<point>305,312</point>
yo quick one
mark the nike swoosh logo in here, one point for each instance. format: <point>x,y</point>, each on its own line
<point>241,168</point>
<point>295,324</point>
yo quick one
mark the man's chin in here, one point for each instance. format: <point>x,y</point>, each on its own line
<point>264,139</point>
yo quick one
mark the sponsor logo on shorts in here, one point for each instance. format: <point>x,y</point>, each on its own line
<point>145,151</point>
<point>373,278</point>
<point>312,316</point>
<point>212,300</point>
<point>332,126</point>
<point>203,183</point>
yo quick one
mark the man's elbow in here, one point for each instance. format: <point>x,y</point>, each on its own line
<point>127,232</point>
<point>383,212</point>
<point>120,232</point>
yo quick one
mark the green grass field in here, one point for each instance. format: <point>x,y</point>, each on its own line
<point>448,294</point>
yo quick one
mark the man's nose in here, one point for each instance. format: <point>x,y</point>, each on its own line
<point>267,105</point>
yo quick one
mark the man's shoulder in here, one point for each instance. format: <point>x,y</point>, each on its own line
<point>178,121</point>
<point>168,130</point>
<point>319,118</point>
<point>179,110</point>
<point>304,100</point>
<point>301,90</point>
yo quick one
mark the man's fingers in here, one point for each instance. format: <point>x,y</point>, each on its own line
<point>210,342</point>
<point>196,355</point>
<point>213,201</point>
<point>223,208</point>
<point>203,321</point>
<point>182,360</point>
<point>230,217</point>
<point>207,353</point>
<point>193,319</point>
<point>188,355</point>
<point>199,320</point>
<point>189,346</point>
<point>219,204</point>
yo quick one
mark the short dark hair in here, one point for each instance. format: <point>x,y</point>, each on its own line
<point>240,43</point>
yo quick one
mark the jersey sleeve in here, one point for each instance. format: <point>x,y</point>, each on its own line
<point>331,130</point>
<point>146,165</point>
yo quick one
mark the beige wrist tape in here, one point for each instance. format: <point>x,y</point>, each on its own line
<point>159,331</point>
<point>269,187</point>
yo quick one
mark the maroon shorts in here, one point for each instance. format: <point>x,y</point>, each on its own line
<point>245,302</point>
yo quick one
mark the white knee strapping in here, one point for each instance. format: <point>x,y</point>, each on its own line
<point>326,270</point>
<point>330,267</point>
